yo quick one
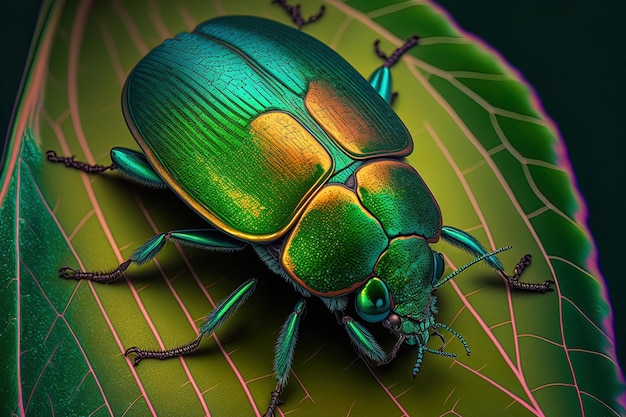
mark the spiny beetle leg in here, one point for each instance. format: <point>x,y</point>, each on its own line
<point>296,15</point>
<point>101,277</point>
<point>69,162</point>
<point>397,54</point>
<point>274,402</point>
<point>132,164</point>
<point>394,351</point>
<point>283,354</point>
<point>225,309</point>
<point>210,239</point>
<point>440,336</point>
<point>163,354</point>
<point>363,340</point>
<point>514,281</point>
<point>470,244</point>
<point>458,336</point>
<point>381,78</point>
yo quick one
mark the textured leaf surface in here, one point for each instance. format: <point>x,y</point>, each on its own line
<point>492,160</point>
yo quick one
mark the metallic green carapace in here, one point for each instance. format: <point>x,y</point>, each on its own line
<point>252,126</point>
<point>278,143</point>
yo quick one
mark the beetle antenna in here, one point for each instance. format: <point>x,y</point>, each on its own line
<point>467,265</point>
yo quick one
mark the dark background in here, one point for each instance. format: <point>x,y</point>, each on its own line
<point>571,52</point>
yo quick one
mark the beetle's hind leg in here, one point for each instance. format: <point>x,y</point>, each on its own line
<point>210,239</point>
<point>130,163</point>
<point>215,319</point>
<point>70,162</point>
<point>381,78</point>
<point>296,15</point>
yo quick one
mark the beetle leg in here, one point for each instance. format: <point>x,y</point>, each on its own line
<point>363,340</point>
<point>274,401</point>
<point>397,54</point>
<point>283,356</point>
<point>135,166</point>
<point>69,162</point>
<point>141,354</point>
<point>210,239</point>
<point>296,15</point>
<point>470,244</point>
<point>131,164</point>
<point>101,277</point>
<point>381,78</point>
<point>214,320</point>
<point>394,351</point>
<point>514,281</point>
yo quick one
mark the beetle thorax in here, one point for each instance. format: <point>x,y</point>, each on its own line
<point>406,267</point>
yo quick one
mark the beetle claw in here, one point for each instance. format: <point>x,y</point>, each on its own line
<point>68,273</point>
<point>140,354</point>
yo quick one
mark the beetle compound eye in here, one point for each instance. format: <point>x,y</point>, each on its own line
<point>438,266</point>
<point>373,302</point>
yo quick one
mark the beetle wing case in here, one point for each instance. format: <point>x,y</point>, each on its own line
<point>231,117</point>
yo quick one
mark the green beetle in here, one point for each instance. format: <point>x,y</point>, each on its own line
<point>280,144</point>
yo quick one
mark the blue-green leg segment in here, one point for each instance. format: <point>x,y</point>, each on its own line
<point>132,164</point>
<point>283,356</point>
<point>222,312</point>
<point>382,82</point>
<point>210,239</point>
<point>381,78</point>
<point>470,244</point>
<point>363,340</point>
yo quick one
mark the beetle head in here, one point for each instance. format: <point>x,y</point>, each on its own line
<point>401,297</point>
<point>401,291</point>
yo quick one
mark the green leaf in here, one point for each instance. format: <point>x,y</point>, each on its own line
<point>493,161</point>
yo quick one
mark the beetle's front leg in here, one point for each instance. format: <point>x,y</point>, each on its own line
<point>514,281</point>
<point>470,244</point>
<point>210,239</point>
<point>363,340</point>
